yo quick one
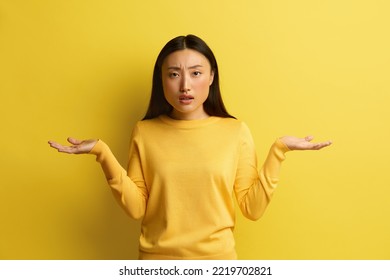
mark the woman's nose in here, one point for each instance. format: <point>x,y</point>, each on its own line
<point>184,85</point>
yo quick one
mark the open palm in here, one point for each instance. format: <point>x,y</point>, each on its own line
<point>77,147</point>
<point>295,143</point>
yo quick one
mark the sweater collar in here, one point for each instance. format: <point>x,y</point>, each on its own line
<point>188,123</point>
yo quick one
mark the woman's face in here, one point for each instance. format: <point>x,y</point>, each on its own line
<point>186,79</point>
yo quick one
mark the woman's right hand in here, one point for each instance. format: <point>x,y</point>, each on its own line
<point>77,147</point>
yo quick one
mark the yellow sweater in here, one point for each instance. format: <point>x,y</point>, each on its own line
<point>181,179</point>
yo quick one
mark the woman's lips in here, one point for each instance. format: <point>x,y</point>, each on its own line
<point>186,99</point>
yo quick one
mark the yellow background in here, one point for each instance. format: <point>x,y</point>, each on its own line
<point>84,69</point>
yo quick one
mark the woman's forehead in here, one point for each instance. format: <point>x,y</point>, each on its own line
<point>185,58</point>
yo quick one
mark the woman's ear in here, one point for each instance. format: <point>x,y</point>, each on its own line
<point>211,78</point>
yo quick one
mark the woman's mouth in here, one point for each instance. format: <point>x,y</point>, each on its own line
<point>186,99</point>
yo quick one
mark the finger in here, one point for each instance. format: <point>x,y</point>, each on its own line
<point>54,145</point>
<point>319,146</point>
<point>328,143</point>
<point>61,148</point>
<point>68,149</point>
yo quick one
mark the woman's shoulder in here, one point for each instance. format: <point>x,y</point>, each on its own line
<point>233,122</point>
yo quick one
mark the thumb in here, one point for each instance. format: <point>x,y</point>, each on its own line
<point>309,138</point>
<point>74,141</point>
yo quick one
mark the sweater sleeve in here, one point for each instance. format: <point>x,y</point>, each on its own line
<point>254,188</point>
<point>130,193</point>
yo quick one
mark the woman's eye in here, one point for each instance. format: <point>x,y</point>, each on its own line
<point>173,75</point>
<point>197,73</point>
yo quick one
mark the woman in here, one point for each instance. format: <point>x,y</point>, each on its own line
<point>188,156</point>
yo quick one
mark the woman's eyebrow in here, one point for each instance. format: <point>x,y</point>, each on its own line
<point>178,68</point>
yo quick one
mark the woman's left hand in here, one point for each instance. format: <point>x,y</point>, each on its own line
<point>295,143</point>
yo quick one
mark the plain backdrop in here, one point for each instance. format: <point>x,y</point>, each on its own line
<point>84,69</point>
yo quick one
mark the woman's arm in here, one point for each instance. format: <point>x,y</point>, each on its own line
<point>131,197</point>
<point>254,189</point>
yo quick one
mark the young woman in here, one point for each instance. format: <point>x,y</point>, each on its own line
<point>188,156</point>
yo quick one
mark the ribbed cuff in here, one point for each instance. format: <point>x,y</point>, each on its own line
<point>281,145</point>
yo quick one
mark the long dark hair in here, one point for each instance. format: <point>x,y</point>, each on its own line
<point>158,105</point>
